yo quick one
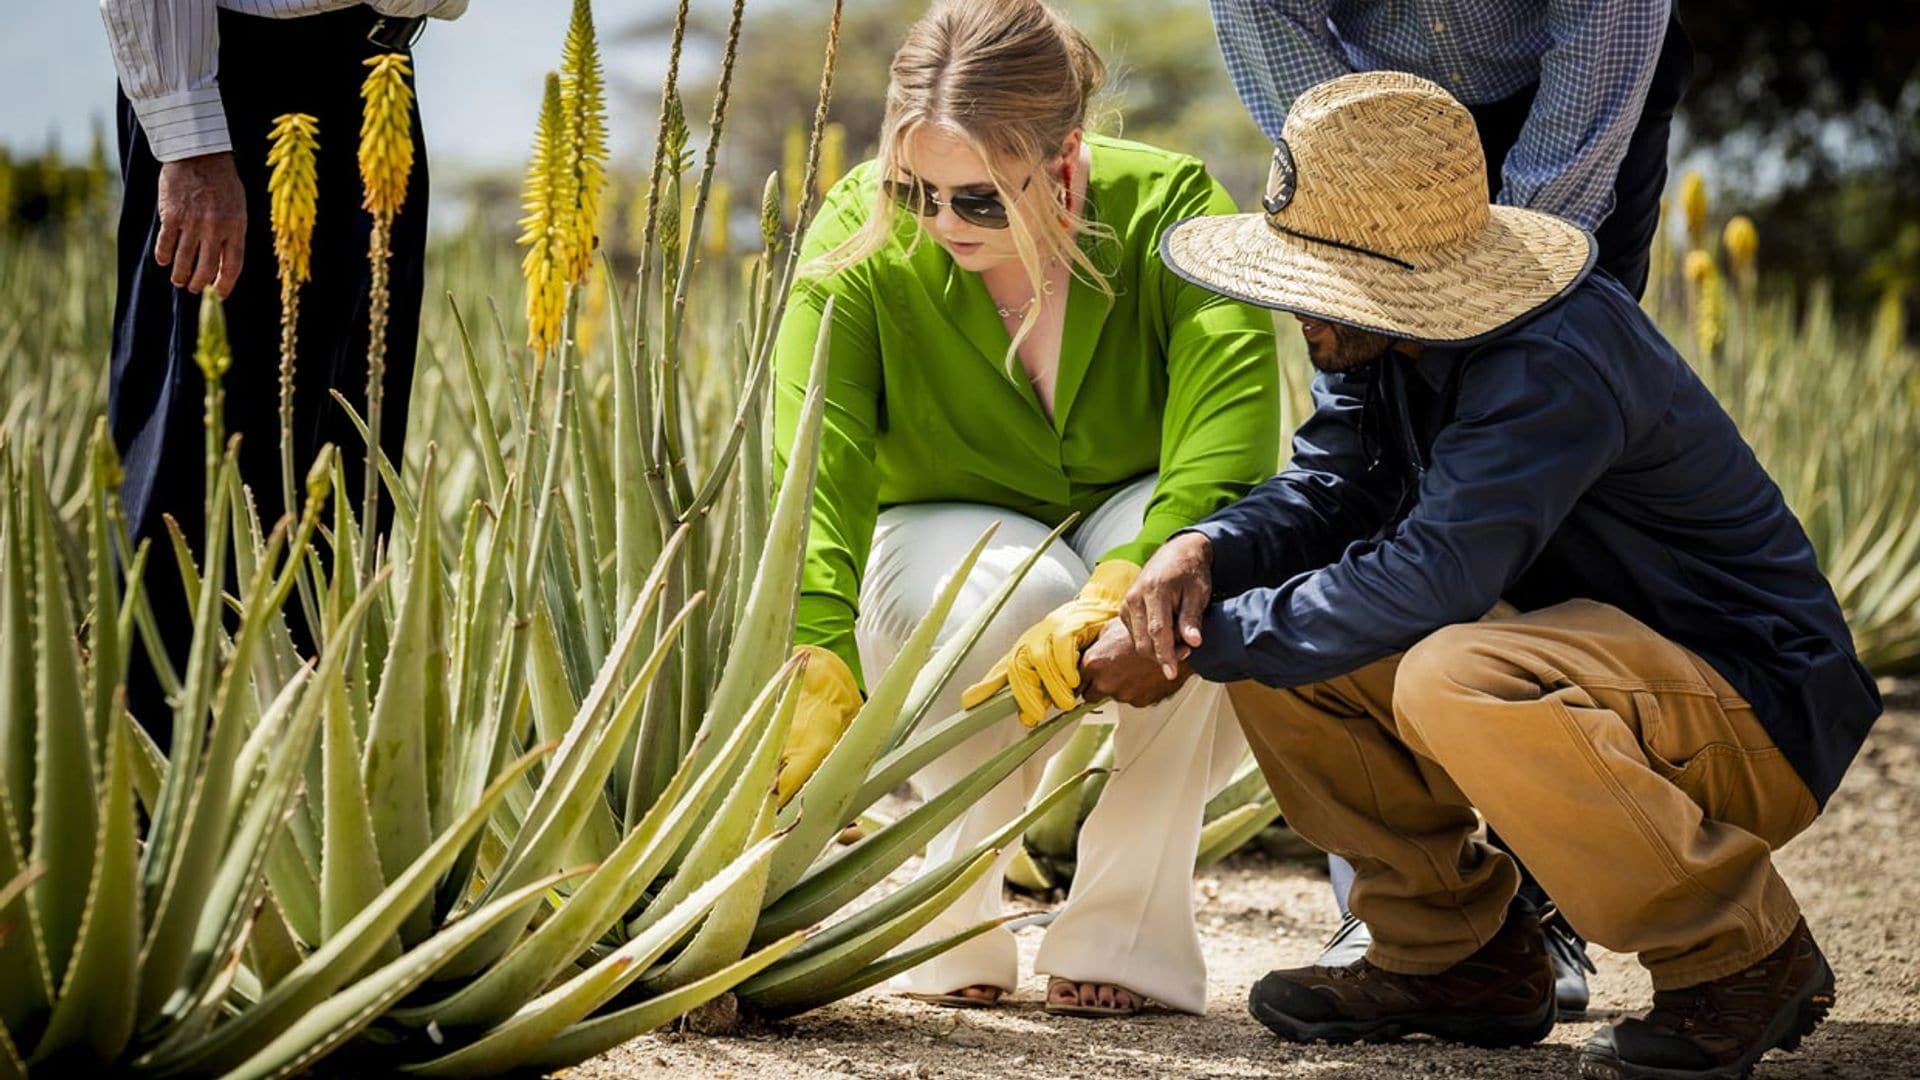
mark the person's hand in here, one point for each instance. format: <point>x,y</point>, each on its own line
<point>1112,667</point>
<point>1044,665</point>
<point>203,223</point>
<point>829,699</point>
<point>1162,611</point>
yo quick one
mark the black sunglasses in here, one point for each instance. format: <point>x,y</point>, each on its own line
<point>984,211</point>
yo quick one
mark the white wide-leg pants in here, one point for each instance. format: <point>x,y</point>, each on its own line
<point>1128,919</point>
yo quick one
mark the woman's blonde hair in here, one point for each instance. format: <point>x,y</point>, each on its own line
<point>1011,79</point>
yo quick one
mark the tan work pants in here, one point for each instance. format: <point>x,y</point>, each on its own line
<point>1628,775</point>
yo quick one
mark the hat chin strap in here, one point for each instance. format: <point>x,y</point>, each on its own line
<point>1341,244</point>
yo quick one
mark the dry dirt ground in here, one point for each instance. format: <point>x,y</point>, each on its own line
<point>1857,874</point>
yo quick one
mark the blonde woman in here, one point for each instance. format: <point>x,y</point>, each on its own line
<point>1007,347</point>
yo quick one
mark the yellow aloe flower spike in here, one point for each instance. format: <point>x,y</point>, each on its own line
<point>386,133</point>
<point>583,99</point>
<point>1693,204</point>
<point>1742,242</point>
<point>833,157</point>
<point>546,229</point>
<point>293,191</point>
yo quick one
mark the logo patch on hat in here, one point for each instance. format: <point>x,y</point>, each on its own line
<point>1281,179</point>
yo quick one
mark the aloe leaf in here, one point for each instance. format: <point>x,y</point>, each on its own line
<point>925,745</point>
<point>830,885</point>
<point>730,824</point>
<point>412,702</point>
<point>882,970</point>
<point>1228,833</point>
<point>609,892</point>
<point>824,803</point>
<point>18,710</point>
<point>1246,785</point>
<point>272,950</point>
<point>64,811</point>
<point>765,634</point>
<point>25,987</point>
<point>11,1065</point>
<point>723,937</point>
<point>325,1027</point>
<point>350,872</point>
<point>1056,832</point>
<point>602,1033</point>
<point>149,764</point>
<point>96,1002</point>
<point>105,647</point>
<point>335,963</point>
<point>536,1023</point>
<point>933,879</point>
<point>799,978</point>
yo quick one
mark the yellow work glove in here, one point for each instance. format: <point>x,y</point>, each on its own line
<point>829,698</point>
<point>1045,663</point>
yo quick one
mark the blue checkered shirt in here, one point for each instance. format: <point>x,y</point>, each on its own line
<point>1593,60</point>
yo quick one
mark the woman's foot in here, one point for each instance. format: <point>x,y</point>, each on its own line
<point>967,997</point>
<point>1068,998</point>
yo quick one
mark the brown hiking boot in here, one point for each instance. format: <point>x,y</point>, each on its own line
<point>1718,1029</point>
<point>1502,995</point>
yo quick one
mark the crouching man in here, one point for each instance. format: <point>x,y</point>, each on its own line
<point>1521,563</point>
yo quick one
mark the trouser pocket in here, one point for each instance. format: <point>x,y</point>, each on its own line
<point>1719,754</point>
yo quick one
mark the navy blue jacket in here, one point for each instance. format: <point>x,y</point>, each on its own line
<point>1574,455</point>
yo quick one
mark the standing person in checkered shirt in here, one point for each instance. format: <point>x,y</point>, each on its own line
<point>1573,100</point>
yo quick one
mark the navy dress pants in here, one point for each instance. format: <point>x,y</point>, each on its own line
<point>155,397</point>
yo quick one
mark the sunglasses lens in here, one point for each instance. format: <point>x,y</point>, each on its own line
<point>911,197</point>
<point>984,211</point>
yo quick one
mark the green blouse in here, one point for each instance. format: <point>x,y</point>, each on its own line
<point>922,404</point>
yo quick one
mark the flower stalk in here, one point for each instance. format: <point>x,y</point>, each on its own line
<point>386,162</point>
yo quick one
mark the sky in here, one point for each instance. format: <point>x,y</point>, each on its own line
<point>479,77</point>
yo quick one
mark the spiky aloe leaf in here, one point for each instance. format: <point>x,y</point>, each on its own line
<point>830,885</point>
<point>96,1001</point>
<point>326,1026</point>
<point>346,953</point>
<point>536,1023</point>
<point>25,989</point>
<point>882,970</point>
<point>765,634</point>
<point>412,702</point>
<point>18,710</point>
<point>350,872</point>
<point>797,980</point>
<point>726,833</point>
<point>64,813</point>
<point>573,785</point>
<point>932,879</point>
<point>11,1065</point>
<point>1246,785</point>
<point>610,891</point>
<point>1056,832</point>
<point>823,804</point>
<point>590,1037</point>
<point>216,931</point>
<point>925,746</point>
<point>105,646</point>
<point>723,937</point>
<point>1226,834</point>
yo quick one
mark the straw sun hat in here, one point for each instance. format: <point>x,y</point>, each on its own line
<point>1377,217</point>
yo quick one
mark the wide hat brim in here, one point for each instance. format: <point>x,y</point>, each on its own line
<point>1518,262</point>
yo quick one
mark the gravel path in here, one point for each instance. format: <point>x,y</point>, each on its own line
<point>1857,874</point>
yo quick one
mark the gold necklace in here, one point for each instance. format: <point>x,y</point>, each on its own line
<point>1046,289</point>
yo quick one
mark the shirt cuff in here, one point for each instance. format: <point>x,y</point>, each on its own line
<point>1229,568</point>
<point>1222,655</point>
<point>185,124</point>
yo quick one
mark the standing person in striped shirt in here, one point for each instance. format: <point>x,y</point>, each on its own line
<point>1573,100</point>
<point>201,82</point>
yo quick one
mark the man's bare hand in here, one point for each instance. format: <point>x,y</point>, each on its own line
<point>1113,668</point>
<point>1163,608</point>
<point>203,223</point>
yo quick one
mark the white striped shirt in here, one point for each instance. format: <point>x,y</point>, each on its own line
<point>168,56</point>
